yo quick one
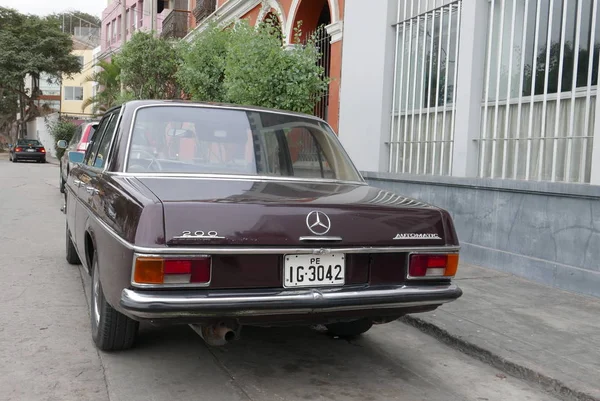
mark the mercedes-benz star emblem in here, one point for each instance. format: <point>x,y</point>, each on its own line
<point>318,223</point>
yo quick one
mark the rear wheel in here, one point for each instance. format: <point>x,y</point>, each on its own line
<point>72,257</point>
<point>350,329</point>
<point>111,330</point>
<point>14,159</point>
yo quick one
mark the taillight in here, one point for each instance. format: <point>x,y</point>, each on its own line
<point>18,149</point>
<point>151,270</point>
<point>42,150</point>
<point>433,265</point>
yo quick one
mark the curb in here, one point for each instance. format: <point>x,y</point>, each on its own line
<point>553,386</point>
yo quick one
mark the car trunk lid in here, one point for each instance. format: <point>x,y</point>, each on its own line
<point>236,212</point>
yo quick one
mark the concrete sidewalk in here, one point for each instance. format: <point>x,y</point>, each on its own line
<point>534,332</point>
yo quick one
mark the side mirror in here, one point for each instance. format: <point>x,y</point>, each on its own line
<point>76,157</point>
<point>62,144</point>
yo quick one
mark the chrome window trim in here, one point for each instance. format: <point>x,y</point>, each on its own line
<point>233,107</point>
<point>427,278</point>
<point>168,285</point>
<point>234,177</point>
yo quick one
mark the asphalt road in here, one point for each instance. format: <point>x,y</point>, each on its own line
<point>46,351</point>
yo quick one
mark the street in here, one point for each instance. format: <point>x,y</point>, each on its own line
<point>46,351</point>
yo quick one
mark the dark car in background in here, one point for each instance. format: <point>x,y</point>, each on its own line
<point>27,149</point>
<point>78,143</point>
<point>221,216</point>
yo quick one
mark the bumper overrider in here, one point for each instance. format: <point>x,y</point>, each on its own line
<point>256,303</point>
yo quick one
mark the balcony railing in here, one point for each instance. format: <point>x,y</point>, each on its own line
<point>175,24</point>
<point>203,9</point>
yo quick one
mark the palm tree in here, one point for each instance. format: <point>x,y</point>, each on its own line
<point>110,87</point>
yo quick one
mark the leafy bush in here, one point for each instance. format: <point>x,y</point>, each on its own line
<point>62,130</point>
<point>260,72</point>
<point>202,70</point>
<point>249,66</point>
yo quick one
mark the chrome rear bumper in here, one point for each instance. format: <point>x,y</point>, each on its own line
<point>211,303</point>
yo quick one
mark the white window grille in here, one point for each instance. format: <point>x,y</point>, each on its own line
<point>424,96</point>
<point>539,97</point>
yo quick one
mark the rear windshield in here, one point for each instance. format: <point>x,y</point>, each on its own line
<point>176,139</point>
<point>28,142</point>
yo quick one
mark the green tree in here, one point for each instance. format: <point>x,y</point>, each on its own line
<point>31,45</point>
<point>110,87</point>
<point>202,71</point>
<point>148,67</point>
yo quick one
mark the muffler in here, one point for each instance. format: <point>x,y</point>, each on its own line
<point>217,334</point>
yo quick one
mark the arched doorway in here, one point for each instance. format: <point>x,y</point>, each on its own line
<point>273,19</point>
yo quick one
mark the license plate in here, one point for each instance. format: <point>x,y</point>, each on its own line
<point>30,150</point>
<point>314,271</point>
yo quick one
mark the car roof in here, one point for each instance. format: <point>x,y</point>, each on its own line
<point>140,103</point>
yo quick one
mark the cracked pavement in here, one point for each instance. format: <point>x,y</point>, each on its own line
<point>46,351</point>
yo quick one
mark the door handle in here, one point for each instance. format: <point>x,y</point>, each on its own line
<point>92,190</point>
<point>77,183</point>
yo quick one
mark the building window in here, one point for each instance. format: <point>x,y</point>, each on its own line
<point>141,11</point>
<point>114,30</point>
<point>81,61</point>
<point>119,27</point>
<point>108,33</point>
<point>539,95</point>
<point>134,19</point>
<point>73,92</point>
<point>422,133</point>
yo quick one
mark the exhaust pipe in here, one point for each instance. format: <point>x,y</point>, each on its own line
<point>217,334</point>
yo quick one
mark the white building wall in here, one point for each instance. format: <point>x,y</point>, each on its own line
<point>367,79</point>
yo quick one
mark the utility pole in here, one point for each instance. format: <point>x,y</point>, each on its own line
<point>124,23</point>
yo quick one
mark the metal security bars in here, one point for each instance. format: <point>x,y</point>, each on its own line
<point>424,95</point>
<point>539,97</point>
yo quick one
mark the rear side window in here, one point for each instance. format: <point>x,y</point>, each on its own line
<point>94,143</point>
<point>103,149</point>
<point>76,136</point>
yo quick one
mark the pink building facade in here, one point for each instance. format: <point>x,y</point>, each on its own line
<point>137,17</point>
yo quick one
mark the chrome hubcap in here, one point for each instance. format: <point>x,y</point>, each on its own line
<point>95,293</point>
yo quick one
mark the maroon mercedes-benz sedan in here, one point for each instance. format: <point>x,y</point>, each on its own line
<point>221,216</point>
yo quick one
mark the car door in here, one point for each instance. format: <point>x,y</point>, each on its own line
<point>83,176</point>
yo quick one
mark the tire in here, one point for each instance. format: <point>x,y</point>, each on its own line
<point>72,257</point>
<point>350,329</point>
<point>111,330</point>
<point>14,159</point>
<point>61,182</point>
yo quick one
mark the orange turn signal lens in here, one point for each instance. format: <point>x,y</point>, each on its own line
<point>149,271</point>
<point>451,265</point>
